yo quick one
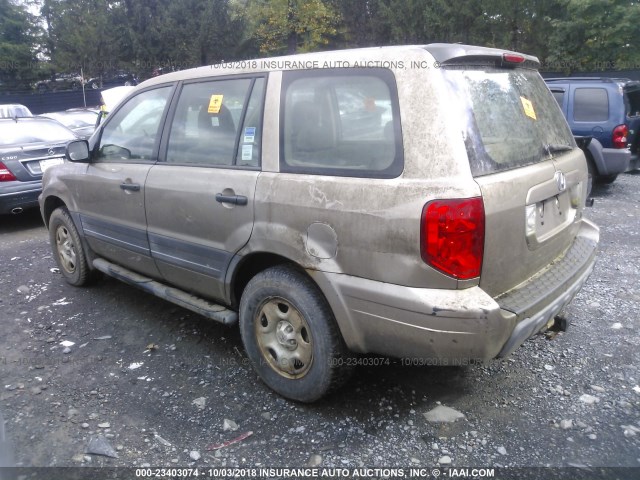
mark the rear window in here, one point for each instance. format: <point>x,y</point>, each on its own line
<point>11,111</point>
<point>511,119</point>
<point>590,105</point>
<point>34,131</point>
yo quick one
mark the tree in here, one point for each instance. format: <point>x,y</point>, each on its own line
<point>596,35</point>
<point>403,21</point>
<point>293,25</point>
<point>182,33</point>
<point>18,45</point>
<point>362,24</point>
<point>86,34</point>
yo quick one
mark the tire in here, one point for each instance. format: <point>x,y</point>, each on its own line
<point>591,175</point>
<point>606,179</point>
<point>67,248</point>
<point>291,336</point>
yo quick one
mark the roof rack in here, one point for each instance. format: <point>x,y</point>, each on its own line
<point>586,79</point>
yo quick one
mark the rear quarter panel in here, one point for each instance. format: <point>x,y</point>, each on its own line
<point>373,225</point>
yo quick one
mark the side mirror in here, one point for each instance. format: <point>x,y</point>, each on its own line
<point>77,151</point>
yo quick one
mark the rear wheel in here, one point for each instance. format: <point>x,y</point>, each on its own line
<point>291,336</point>
<point>67,248</point>
<point>606,179</point>
<point>592,173</point>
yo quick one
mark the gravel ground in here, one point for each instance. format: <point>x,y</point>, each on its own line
<point>144,383</point>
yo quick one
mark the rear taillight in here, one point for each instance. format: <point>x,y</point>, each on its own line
<point>620,136</point>
<point>5,174</point>
<point>512,58</point>
<point>452,236</point>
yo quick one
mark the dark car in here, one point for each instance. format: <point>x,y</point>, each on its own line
<point>28,147</point>
<point>60,81</point>
<point>82,121</point>
<point>608,110</point>
<point>113,80</point>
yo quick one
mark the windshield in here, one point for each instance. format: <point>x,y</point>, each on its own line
<point>512,118</point>
<point>20,133</point>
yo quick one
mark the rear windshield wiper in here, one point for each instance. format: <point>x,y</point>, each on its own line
<point>551,148</point>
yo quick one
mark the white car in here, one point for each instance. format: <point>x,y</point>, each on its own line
<point>13,110</point>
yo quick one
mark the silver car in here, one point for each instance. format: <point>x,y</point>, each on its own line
<point>28,147</point>
<point>421,202</point>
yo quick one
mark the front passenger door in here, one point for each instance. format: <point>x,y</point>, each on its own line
<point>111,197</point>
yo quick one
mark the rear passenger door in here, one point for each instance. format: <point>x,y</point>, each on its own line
<point>199,198</point>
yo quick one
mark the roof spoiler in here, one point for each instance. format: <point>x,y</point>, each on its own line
<point>456,54</point>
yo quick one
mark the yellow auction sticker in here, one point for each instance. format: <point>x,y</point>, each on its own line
<point>215,103</point>
<point>528,108</point>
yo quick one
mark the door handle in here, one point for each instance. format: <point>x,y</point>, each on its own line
<point>134,187</point>
<point>232,199</point>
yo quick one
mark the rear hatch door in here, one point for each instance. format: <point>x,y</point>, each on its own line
<point>531,173</point>
<point>30,162</point>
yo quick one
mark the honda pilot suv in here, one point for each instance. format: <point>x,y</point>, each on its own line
<point>608,111</point>
<point>422,202</point>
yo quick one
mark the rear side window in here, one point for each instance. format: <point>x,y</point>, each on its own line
<point>590,105</point>
<point>342,123</point>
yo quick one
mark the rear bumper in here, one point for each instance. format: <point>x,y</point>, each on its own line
<point>616,160</point>
<point>19,195</point>
<point>454,327</point>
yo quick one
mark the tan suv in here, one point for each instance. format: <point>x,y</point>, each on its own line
<point>422,202</point>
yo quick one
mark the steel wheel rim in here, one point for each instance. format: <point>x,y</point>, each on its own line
<point>66,249</point>
<point>284,338</point>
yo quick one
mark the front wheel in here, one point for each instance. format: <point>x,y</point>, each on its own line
<point>291,336</point>
<point>67,248</point>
